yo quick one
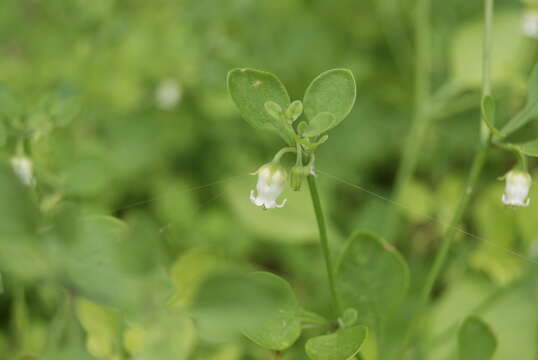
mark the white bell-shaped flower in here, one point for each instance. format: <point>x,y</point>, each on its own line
<point>271,180</point>
<point>23,168</point>
<point>517,188</point>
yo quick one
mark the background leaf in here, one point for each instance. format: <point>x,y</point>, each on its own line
<point>476,340</point>
<point>372,277</point>
<point>282,327</point>
<point>231,302</point>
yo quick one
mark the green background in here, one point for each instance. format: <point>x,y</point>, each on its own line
<point>78,88</point>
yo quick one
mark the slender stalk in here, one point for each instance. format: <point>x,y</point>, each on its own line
<point>324,241</point>
<point>420,120</point>
<point>476,168</point>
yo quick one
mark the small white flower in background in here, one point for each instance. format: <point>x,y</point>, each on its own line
<point>271,180</point>
<point>23,168</point>
<point>529,23</point>
<point>517,188</point>
<point>168,94</point>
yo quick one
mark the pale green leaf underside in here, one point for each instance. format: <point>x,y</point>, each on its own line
<point>250,89</point>
<point>476,341</point>
<point>340,345</point>
<point>372,277</point>
<point>334,92</point>
<point>282,327</point>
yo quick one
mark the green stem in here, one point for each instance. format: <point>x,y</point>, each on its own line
<point>420,120</point>
<point>312,318</point>
<point>324,241</point>
<point>447,334</point>
<point>476,168</point>
<point>282,152</point>
<point>446,242</point>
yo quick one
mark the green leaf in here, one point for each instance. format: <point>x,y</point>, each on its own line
<point>102,327</point>
<point>282,327</point>
<point>530,111</point>
<point>166,335</point>
<point>322,122</point>
<point>466,49</point>
<point>341,345</point>
<point>488,111</point>
<point>372,277</point>
<point>250,89</point>
<point>334,92</point>
<point>93,265</point>
<point>189,271</point>
<point>23,253</point>
<point>10,104</point>
<point>229,303</point>
<point>273,109</point>
<point>294,110</point>
<point>476,341</point>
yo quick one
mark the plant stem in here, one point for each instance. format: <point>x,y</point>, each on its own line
<point>439,261</point>
<point>420,120</point>
<point>476,168</point>
<point>324,241</point>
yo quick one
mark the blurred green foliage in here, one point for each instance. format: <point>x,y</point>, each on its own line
<point>141,164</point>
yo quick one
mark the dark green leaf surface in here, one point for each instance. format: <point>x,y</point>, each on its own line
<point>476,340</point>
<point>372,277</point>
<point>232,302</point>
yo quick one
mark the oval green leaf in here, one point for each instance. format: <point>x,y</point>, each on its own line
<point>250,89</point>
<point>342,345</point>
<point>322,122</point>
<point>282,327</point>
<point>228,303</point>
<point>476,341</point>
<point>333,91</point>
<point>294,110</point>
<point>372,277</point>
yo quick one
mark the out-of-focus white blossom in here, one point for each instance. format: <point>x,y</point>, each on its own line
<point>168,94</point>
<point>23,168</point>
<point>271,180</point>
<point>529,23</point>
<point>518,184</point>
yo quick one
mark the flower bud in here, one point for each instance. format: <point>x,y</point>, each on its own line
<point>271,180</point>
<point>298,173</point>
<point>517,188</point>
